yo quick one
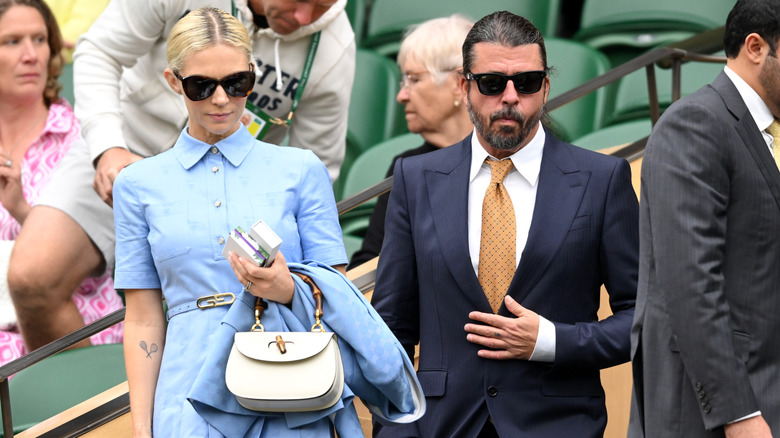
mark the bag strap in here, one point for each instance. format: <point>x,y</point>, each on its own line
<point>261,305</point>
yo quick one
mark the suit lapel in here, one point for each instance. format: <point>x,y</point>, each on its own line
<point>749,133</point>
<point>450,219</point>
<point>561,187</point>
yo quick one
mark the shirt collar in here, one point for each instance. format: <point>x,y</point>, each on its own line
<point>60,118</point>
<point>527,161</point>
<point>755,105</point>
<point>235,148</point>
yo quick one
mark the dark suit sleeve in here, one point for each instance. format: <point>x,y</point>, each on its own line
<point>686,185</point>
<point>395,296</point>
<point>606,343</point>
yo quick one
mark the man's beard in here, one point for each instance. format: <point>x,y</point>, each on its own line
<point>769,78</point>
<point>504,137</point>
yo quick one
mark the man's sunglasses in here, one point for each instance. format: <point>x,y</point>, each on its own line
<point>201,87</point>
<point>492,84</point>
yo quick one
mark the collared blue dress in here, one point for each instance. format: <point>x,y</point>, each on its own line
<point>173,213</point>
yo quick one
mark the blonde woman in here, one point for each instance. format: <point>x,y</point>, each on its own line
<point>173,214</point>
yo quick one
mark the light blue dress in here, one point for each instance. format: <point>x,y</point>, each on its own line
<point>172,214</point>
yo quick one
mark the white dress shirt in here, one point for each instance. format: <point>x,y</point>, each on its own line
<point>521,183</point>
<point>755,105</point>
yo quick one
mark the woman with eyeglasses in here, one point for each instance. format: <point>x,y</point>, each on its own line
<point>173,215</point>
<point>37,128</point>
<point>430,59</point>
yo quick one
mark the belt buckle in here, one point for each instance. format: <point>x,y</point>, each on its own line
<point>215,300</point>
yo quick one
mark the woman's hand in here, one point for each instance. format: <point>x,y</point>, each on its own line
<point>11,195</point>
<point>272,283</point>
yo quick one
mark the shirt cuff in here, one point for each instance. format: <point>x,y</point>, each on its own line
<point>544,350</point>
<point>754,414</point>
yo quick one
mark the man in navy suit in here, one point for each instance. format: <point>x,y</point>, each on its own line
<point>531,366</point>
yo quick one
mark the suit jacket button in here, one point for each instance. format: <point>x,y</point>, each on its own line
<point>707,409</point>
<point>698,386</point>
<point>492,391</point>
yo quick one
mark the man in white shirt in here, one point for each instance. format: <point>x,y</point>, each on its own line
<point>503,306</point>
<point>705,349</point>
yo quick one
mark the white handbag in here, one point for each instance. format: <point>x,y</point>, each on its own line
<point>286,371</point>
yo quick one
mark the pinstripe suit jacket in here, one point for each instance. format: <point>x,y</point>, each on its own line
<point>583,234</point>
<point>705,342</point>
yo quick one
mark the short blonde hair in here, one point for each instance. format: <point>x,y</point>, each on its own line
<point>436,45</point>
<point>204,28</point>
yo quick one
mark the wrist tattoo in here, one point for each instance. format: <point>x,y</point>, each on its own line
<point>149,350</point>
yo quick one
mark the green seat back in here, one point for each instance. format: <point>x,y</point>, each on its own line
<point>374,115</point>
<point>371,166</point>
<point>62,381</point>
<point>388,19</point>
<point>574,64</point>
<point>66,79</point>
<point>602,16</point>
<point>356,12</point>
<point>368,169</point>
<point>615,135</point>
<point>352,244</point>
<point>622,29</point>
<point>631,99</point>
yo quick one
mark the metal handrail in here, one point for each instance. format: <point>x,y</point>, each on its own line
<point>664,56</point>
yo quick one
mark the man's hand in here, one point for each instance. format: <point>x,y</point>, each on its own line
<point>108,166</point>
<point>508,338</point>
<point>754,427</point>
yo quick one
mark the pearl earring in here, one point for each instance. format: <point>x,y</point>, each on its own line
<point>457,103</point>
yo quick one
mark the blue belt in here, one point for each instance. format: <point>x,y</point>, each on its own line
<point>203,303</point>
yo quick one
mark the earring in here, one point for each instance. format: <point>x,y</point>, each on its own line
<point>457,103</point>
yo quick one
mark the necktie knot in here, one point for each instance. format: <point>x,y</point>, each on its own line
<point>498,170</point>
<point>774,129</point>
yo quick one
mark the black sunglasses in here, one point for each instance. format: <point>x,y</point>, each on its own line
<point>201,87</point>
<point>492,84</point>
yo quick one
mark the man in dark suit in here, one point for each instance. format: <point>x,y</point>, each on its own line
<point>513,351</point>
<point>705,344</point>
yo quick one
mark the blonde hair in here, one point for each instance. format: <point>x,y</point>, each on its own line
<point>436,45</point>
<point>204,28</point>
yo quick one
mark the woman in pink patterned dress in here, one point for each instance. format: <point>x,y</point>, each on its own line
<point>37,127</point>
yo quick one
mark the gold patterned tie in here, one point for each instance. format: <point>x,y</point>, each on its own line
<point>774,131</point>
<point>498,243</point>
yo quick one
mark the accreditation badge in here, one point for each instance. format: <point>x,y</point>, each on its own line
<point>259,123</point>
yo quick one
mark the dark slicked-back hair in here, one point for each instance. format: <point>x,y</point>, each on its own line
<point>506,29</point>
<point>752,16</point>
<point>52,91</point>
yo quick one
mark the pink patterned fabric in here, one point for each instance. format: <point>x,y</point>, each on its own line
<point>95,297</point>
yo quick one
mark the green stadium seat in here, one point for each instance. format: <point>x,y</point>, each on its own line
<point>574,64</point>
<point>631,99</point>
<point>388,19</point>
<point>615,135</point>
<point>66,79</point>
<point>374,115</point>
<point>62,381</point>
<point>623,29</point>
<point>369,169</point>
<point>356,12</point>
<point>352,244</point>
